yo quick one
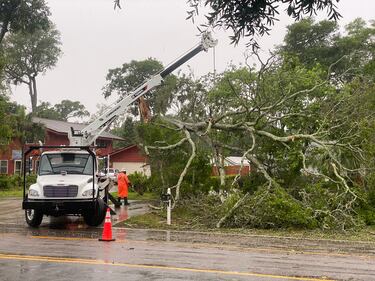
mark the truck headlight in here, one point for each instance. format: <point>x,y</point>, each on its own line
<point>88,193</point>
<point>33,192</point>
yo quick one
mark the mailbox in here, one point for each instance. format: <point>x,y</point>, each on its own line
<point>165,197</point>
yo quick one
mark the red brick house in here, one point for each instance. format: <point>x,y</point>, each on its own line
<point>11,158</point>
<point>131,159</point>
<point>232,165</point>
<point>56,133</point>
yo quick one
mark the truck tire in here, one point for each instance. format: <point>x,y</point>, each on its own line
<point>96,216</point>
<point>33,217</point>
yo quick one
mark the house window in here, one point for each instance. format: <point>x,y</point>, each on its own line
<point>17,167</point>
<point>3,166</point>
<point>29,165</point>
<point>101,143</point>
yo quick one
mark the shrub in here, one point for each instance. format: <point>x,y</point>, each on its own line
<point>30,179</point>
<point>4,182</point>
<point>9,182</point>
<point>15,181</point>
<point>140,182</point>
<point>273,208</point>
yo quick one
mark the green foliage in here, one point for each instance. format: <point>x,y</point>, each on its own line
<point>312,42</point>
<point>46,110</point>
<point>296,113</point>
<point>366,207</point>
<point>23,16</point>
<point>29,54</point>
<point>166,166</point>
<point>122,80</point>
<point>248,19</point>
<point>273,208</point>
<point>64,110</point>
<point>15,181</point>
<point>251,183</point>
<point>321,43</point>
<point>201,209</point>
<point>127,131</point>
<point>8,182</point>
<point>14,123</point>
<point>6,132</point>
<point>197,179</point>
<point>140,182</point>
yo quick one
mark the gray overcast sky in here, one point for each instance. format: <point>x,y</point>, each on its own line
<point>96,37</point>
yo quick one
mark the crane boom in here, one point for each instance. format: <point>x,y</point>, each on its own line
<point>91,132</point>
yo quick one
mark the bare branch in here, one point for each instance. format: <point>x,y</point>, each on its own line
<point>182,175</point>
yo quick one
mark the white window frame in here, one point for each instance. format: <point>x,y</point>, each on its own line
<point>29,170</point>
<point>36,165</point>
<point>15,165</point>
<point>7,167</point>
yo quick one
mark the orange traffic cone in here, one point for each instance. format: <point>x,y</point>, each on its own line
<point>107,230</point>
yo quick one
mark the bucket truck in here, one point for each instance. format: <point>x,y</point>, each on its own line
<point>67,178</point>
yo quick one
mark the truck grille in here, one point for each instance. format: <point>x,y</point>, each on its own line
<point>60,190</point>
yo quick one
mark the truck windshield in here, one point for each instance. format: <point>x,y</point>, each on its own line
<point>71,163</point>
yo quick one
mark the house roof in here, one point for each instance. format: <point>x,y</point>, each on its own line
<point>64,127</point>
<point>123,149</point>
<point>233,161</point>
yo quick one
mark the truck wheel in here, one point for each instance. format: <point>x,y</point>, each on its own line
<point>96,216</point>
<point>33,217</point>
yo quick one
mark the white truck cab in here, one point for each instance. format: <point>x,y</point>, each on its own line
<point>67,183</point>
<point>64,174</point>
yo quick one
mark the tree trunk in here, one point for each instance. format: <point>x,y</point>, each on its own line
<point>33,94</point>
<point>231,211</point>
<point>144,110</point>
<point>4,29</point>
<point>219,161</point>
<point>218,158</point>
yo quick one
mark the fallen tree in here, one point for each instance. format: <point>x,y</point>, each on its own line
<point>290,123</point>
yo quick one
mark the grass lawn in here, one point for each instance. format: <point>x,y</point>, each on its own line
<point>136,196</point>
<point>16,192</point>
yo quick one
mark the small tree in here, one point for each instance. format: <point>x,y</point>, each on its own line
<point>127,131</point>
<point>64,110</point>
<point>71,109</point>
<point>30,54</point>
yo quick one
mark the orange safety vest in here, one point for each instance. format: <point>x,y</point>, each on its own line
<point>123,185</point>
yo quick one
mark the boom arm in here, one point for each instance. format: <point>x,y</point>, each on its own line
<point>90,133</point>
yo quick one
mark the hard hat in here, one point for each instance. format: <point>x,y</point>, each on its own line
<point>123,170</point>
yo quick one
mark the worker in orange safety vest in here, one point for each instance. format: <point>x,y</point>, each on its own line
<point>123,184</point>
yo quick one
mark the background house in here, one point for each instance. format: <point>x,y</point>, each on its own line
<point>55,133</point>
<point>232,165</point>
<point>11,158</point>
<point>131,159</point>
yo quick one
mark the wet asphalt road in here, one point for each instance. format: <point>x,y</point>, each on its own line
<point>66,249</point>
